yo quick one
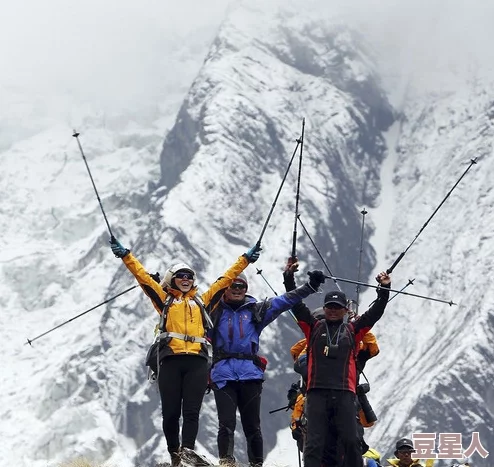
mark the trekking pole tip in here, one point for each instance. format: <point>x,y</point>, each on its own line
<point>29,341</point>
<point>474,160</point>
<point>259,271</point>
<point>75,134</point>
<point>364,212</point>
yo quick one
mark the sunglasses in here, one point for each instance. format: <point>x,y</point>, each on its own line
<point>184,275</point>
<point>238,285</point>
<point>333,306</point>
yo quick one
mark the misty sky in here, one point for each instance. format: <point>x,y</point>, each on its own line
<point>126,53</point>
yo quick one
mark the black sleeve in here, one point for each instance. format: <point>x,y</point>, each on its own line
<point>289,280</point>
<point>375,312</point>
<point>302,312</point>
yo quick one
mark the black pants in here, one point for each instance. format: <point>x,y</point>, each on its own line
<point>331,415</point>
<point>246,395</point>
<point>182,383</point>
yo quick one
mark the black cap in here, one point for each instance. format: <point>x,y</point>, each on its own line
<point>335,297</point>
<point>404,443</point>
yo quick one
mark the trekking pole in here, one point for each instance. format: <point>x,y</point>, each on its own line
<point>297,196</point>
<point>299,140</point>
<point>357,289</point>
<point>318,252</point>
<point>299,460</point>
<point>30,341</point>
<point>410,282</point>
<point>402,254</point>
<point>259,271</point>
<point>286,407</point>
<point>449,302</point>
<point>76,136</point>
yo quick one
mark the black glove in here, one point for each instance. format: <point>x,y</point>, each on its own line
<point>316,278</point>
<point>253,254</point>
<point>156,276</point>
<point>118,250</point>
<point>292,395</point>
<point>297,434</point>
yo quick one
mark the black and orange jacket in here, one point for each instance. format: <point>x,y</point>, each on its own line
<point>338,371</point>
<point>184,314</point>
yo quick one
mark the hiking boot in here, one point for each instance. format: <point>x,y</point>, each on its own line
<point>228,461</point>
<point>191,458</point>
<point>175,459</point>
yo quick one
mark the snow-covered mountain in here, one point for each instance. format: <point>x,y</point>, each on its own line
<point>204,200</point>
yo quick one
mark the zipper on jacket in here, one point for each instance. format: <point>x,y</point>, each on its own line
<point>230,328</point>
<point>186,303</point>
<point>241,325</point>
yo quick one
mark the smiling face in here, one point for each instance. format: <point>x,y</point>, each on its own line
<point>236,292</point>
<point>334,311</point>
<point>405,457</point>
<point>184,280</point>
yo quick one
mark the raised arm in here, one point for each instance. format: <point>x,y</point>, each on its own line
<point>150,287</point>
<point>375,312</point>
<point>215,291</point>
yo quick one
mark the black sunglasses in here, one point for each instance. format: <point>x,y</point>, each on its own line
<point>238,285</point>
<point>184,275</point>
<point>333,306</point>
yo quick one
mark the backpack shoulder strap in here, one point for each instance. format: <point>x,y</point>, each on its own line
<point>208,324</point>
<point>351,333</point>
<point>259,311</point>
<point>164,312</point>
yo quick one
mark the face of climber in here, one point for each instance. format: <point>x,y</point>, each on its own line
<point>334,311</point>
<point>236,292</point>
<point>184,280</point>
<point>405,457</point>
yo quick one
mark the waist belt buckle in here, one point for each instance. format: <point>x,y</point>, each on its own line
<point>189,338</point>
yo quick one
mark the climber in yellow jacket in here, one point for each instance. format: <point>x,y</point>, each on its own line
<point>180,355</point>
<point>403,451</point>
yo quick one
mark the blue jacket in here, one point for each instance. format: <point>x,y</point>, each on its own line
<point>237,332</point>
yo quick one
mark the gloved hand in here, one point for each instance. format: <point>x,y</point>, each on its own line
<point>118,250</point>
<point>253,254</point>
<point>297,434</point>
<point>316,278</point>
<point>292,395</point>
<point>156,276</point>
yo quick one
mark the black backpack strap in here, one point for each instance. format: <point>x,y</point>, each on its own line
<point>206,320</point>
<point>259,312</point>
<point>164,312</point>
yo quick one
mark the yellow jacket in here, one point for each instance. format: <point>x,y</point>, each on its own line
<point>415,463</point>
<point>184,315</point>
<point>297,411</point>
<point>369,343</point>
<point>298,349</point>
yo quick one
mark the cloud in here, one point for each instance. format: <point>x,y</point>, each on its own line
<point>128,54</point>
<point>111,50</point>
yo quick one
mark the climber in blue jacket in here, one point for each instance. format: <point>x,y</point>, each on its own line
<point>237,371</point>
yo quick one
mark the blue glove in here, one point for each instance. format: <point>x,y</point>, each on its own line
<point>118,250</point>
<point>316,278</point>
<point>253,254</point>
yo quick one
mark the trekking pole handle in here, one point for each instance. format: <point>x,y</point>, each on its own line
<point>390,270</point>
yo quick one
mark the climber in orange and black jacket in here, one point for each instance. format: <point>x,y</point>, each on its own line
<point>332,372</point>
